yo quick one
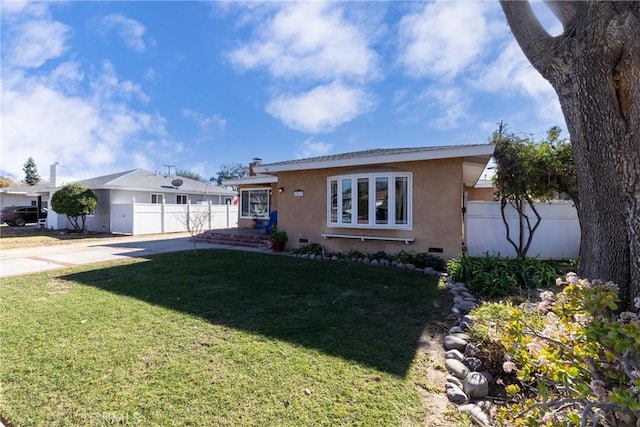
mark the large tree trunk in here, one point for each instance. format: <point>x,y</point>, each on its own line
<point>594,68</point>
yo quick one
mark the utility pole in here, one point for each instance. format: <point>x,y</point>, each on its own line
<point>169,168</point>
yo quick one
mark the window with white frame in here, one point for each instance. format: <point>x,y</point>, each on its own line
<point>181,199</point>
<point>254,203</point>
<point>157,198</point>
<point>379,200</point>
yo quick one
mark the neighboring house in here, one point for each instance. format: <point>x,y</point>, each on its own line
<point>374,200</point>
<point>24,195</point>
<point>483,190</point>
<point>137,185</point>
<point>143,186</point>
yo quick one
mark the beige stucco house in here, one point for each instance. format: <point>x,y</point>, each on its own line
<point>374,200</point>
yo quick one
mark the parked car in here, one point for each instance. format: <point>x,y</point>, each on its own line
<point>21,215</point>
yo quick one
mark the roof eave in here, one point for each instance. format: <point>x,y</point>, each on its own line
<point>445,153</point>
<point>262,179</point>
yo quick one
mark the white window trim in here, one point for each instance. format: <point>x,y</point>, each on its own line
<point>391,176</point>
<point>156,194</point>
<point>186,198</point>
<point>266,216</point>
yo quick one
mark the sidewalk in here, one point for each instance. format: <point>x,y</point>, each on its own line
<point>15,262</point>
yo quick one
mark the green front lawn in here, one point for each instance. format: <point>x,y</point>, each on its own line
<point>224,338</point>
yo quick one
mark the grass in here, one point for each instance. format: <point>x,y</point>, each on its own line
<point>225,338</point>
<point>30,236</point>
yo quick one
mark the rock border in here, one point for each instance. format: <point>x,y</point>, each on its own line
<point>468,382</point>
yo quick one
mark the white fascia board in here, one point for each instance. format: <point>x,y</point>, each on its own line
<point>265,179</point>
<point>435,154</point>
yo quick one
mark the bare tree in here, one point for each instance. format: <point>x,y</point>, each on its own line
<point>594,67</point>
<point>195,220</point>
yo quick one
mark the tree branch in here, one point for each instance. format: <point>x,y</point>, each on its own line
<point>534,40</point>
<point>565,11</point>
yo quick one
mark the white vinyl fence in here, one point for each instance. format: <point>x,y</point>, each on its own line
<point>557,237</point>
<point>147,218</point>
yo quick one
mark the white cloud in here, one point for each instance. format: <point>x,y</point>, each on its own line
<point>205,123</point>
<point>311,148</point>
<point>451,107</point>
<point>321,109</point>
<point>512,73</point>
<point>309,40</point>
<point>442,107</point>
<point>49,125</point>
<point>30,44</point>
<point>9,7</point>
<point>130,31</point>
<point>107,86</point>
<point>443,39</point>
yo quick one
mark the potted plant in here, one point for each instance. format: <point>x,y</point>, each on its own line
<point>278,239</point>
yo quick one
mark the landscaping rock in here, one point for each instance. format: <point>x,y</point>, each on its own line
<point>488,375</point>
<point>476,414</point>
<point>456,368</point>
<point>453,380</point>
<point>467,319</point>
<point>474,364</point>
<point>455,330</point>
<point>470,350</point>
<point>454,343</point>
<point>462,336</point>
<point>454,354</point>
<point>476,385</point>
<point>467,306</point>
<point>455,394</point>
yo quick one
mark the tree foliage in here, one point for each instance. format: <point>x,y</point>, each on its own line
<point>76,202</point>
<point>31,176</point>
<point>6,182</point>
<point>230,171</point>
<point>594,67</point>
<point>526,172</point>
<point>189,174</point>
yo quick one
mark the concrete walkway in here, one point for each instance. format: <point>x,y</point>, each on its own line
<point>15,262</point>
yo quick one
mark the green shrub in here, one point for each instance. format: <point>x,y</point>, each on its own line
<point>495,276</point>
<point>423,260</point>
<point>309,248</point>
<point>583,353</point>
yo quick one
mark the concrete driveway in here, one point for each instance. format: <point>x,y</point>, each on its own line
<point>15,262</point>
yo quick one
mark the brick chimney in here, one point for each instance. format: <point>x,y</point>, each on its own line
<point>256,162</point>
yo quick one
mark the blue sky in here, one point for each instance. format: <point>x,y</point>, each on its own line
<point>103,87</point>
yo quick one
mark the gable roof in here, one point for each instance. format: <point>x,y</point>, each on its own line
<point>143,180</point>
<point>26,190</point>
<point>475,158</point>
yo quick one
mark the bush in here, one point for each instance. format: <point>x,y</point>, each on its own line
<point>494,276</point>
<point>582,359</point>
<point>76,202</point>
<point>309,249</point>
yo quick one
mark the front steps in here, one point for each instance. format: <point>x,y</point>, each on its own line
<point>250,240</point>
